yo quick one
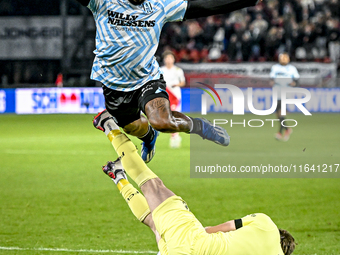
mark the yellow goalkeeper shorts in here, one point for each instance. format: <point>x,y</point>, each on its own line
<point>177,226</point>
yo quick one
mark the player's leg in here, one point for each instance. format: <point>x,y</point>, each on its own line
<point>124,107</point>
<point>145,132</point>
<point>171,216</point>
<point>138,128</point>
<point>154,102</point>
<point>175,102</point>
<point>135,200</point>
<point>155,192</point>
<point>132,162</point>
<point>175,140</point>
<point>283,130</point>
<point>278,135</point>
<point>281,118</point>
<point>153,188</point>
<point>163,119</point>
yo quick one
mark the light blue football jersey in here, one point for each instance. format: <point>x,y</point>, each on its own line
<point>283,76</point>
<point>127,38</point>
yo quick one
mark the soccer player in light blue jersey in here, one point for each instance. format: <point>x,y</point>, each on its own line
<point>127,38</point>
<point>283,75</point>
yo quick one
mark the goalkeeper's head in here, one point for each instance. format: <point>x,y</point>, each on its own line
<point>287,242</point>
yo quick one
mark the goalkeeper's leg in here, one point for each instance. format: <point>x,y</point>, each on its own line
<point>135,200</point>
<point>153,188</point>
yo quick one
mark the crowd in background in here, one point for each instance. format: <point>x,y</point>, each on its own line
<point>36,7</point>
<point>306,29</point>
<point>309,30</point>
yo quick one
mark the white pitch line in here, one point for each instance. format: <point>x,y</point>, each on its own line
<point>75,250</point>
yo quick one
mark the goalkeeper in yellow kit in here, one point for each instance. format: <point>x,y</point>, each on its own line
<point>176,229</point>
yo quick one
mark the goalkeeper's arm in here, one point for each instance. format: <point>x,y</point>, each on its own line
<point>204,8</point>
<point>224,227</point>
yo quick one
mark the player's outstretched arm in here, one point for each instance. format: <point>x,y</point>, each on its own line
<point>224,227</point>
<point>204,8</point>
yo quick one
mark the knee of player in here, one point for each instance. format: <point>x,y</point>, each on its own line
<point>128,131</point>
<point>132,129</point>
<point>165,125</point>
<point>156,184</point>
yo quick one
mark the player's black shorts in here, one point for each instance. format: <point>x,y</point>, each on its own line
<point>125,107</point>
<point>278,107</point>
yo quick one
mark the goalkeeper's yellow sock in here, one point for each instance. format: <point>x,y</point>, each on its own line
<point>135,200</point>
<point>132,162</point>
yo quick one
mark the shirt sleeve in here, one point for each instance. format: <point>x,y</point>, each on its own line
<point>248,219</point>
<point>272,72</point>
<point>180,74</point>
<point>93,5</point>
<point>175,10</point>
<point>296,75</point>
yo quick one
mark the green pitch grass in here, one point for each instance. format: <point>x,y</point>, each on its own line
<point>53,195</point>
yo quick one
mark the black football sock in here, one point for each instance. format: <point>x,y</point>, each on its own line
<point>281,126</point>
<point>148,137</point>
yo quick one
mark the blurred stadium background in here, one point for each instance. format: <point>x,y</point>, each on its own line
<point>53,198</point>
<point>41,40</point>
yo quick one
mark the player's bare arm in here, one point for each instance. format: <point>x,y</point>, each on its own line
<point>224,227</point>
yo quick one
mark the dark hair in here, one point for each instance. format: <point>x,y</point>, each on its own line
<point>287,242</point>
<point>168,52</point>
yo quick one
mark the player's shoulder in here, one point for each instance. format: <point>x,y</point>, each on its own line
<point>275,67</point>
<point>260,219</point>
<point>291,66</point>
<point>177,68</point>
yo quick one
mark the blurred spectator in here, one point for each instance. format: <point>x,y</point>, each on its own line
<point>260,24</point>
<point>272,43</point>
<point>308,28</point>
<point>334,40</point>
<point>36,7</point>
<point>246,46</point>
<point>232,48</point>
